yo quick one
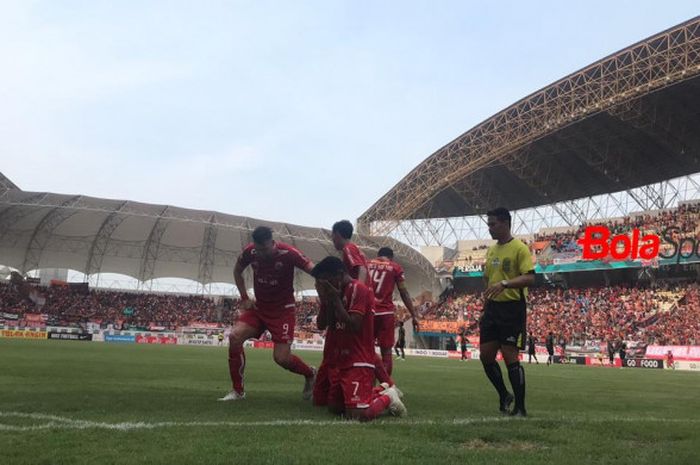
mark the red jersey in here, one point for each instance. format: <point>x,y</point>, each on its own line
<point>354,349</point>
<point>384,276</point>
<point>273,278</point>
<point>352,258</point>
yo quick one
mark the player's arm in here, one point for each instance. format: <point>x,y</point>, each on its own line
<point>308,267</point>
<point>351,319</point>
<point>302,262</point>
<point>406,298</point>
<point>524,280</point>
<point>322,318</point>
<point>246,303</point>
<point>326,315</point>
<point>362,273</point>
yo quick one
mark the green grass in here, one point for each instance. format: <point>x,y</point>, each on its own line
<point>577,414</point>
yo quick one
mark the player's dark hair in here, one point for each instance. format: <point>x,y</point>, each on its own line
<point>385,252</point>
<point>500,213</point>
<point>329,266</point>
<point>344,228</point>
<point>262,234</point>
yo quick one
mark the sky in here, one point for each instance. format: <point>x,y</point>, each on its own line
<point>304,112</point>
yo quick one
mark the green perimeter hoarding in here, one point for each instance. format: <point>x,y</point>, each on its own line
<point>586,265</point>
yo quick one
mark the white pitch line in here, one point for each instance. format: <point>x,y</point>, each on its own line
<point>57,422</point>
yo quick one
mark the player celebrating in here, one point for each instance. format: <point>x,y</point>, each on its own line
<point>273,266</point>
<point>347,312</point>
<point>508,272</point>
<point>356,266</point>
<point>385,274</point>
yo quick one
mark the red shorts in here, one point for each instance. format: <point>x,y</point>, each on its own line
<point>325,377</point>
<point>278,320</point>
<point>384,328</point>
<point>352,388</point>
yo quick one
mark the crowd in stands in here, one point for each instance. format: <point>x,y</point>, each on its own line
<point>668,314</point>
<point>65,305</point>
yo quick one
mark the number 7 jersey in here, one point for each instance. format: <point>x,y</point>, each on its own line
<point>384,276</point>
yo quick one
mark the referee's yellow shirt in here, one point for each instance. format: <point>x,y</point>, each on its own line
<point>508,261</point>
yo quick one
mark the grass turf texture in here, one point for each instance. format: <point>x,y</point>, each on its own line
<point>577,414</point>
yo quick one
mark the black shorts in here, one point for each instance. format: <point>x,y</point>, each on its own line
<point>400,344</point>
<point>504,322</point>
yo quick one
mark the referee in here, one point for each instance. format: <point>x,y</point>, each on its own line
<point>508,272</point>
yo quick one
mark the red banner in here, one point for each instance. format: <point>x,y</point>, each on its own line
<point>201,325</point>
<point>434,326</point>
<point>156,339</point>
<point>34,317</point>
<point>263,344</point>
<point>691,353</point>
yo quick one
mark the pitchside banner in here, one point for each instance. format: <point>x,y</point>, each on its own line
<point>691,353</point>
<point>70,336</point>
<point>119,338</point>
<point>570,360</point>
<point>156,339</point>
<point>644,363</point>
<point>22,334</point>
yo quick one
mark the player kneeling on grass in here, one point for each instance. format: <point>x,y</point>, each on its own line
<point>346,312</point>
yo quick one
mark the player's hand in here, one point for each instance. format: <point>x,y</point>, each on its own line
<point>320,289</point>
<point>247,304</point>
<point>416,325</point>
<point>493,291</point>
<point>325,289</point>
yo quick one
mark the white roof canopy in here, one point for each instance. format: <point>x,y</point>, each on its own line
<point>145,241</point>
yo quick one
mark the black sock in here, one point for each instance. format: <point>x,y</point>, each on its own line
<point>493,373</point>
<point>516,374</point>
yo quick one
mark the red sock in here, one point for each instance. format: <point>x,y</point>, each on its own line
<point>378,406</point>
<point>380,371</point>
<point>388,361</point>
<point>236,365</point>
<point>297,365</point>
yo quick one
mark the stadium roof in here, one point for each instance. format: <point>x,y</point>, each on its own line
<point>44,230</point>
<point>625,121</point>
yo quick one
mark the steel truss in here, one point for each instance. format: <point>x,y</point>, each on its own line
<point>612,85</point>
<point>447,231</point>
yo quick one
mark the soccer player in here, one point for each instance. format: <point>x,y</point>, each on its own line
<point>623,352</point>
<point>385,274</point>
<point>669,360</point>
<point>508,272</point>
<point>356,265</point>
<point>463,344</point>
<point>401,342</point>
<point>273,266</point>
<point>611,352</point>
<point>549,344</point>
<point>531,349</point>
<point>347,312</point>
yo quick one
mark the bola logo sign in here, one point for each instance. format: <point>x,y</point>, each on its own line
<point>598,243</point>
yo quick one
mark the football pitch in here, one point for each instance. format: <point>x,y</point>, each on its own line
<point>87,403</point>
